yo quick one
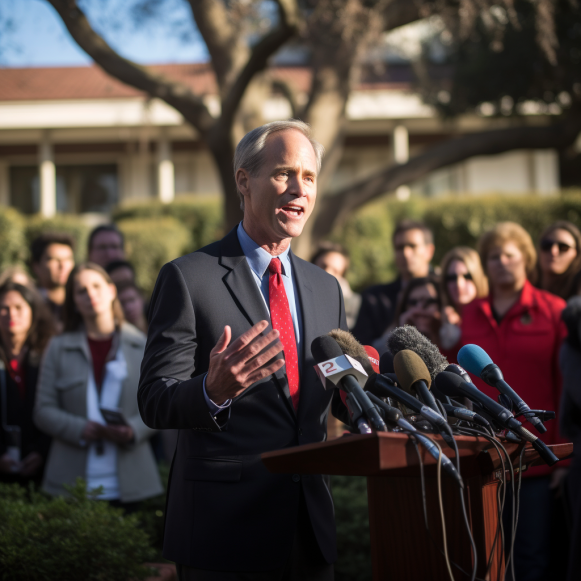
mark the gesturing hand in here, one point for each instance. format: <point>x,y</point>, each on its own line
<point>235,367</point>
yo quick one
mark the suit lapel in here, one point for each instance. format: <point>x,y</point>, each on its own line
<point>242,286</point>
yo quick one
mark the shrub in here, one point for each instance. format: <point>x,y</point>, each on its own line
<point>150,243</point>
<point>13,248</point>
<point>352,518</point>
<point>454,221</point>
<point>58,539</point>
<point>201,216</point>
<point>68,223</point>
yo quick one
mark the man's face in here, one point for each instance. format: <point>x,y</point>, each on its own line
<point>54,266</point>
<point>106,247</point>
<point>412,254</point>
<point>280,198</point>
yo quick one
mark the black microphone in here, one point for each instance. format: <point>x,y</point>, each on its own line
<point>466,415</point>
<point>478,362</point>
<point>453,385</point>
<point>326,349</point>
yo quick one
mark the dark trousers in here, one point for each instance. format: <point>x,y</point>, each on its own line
<point>305,562</point>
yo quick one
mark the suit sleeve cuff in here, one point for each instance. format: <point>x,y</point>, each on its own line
<point>214,407</point>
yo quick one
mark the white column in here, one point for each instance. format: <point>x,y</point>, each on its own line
<point>165,171</point>
<point>4,184</point>
<point>401,154</point>
<point>47,178</point>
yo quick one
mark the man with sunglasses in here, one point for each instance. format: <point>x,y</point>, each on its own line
<point>413,244</point>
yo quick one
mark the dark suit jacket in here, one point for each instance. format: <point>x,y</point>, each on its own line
<point>19,413</point>
<point>378,304</point>
<point>225,511</point>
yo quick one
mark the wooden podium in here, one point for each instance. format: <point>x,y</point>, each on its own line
<point>401,548</point>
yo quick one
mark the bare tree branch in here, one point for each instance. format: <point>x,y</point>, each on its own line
<point>223,38</point>
<point>288,93</point>
<point>175,94</point>
<point>289,16</point>
<point>336,208</point>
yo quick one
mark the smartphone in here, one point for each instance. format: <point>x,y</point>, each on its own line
<point>113,417</point>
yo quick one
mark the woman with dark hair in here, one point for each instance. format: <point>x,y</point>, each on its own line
<point>420,305</point>
<point>87,396</point>
<point>25,328</point>
<point>559,259</point>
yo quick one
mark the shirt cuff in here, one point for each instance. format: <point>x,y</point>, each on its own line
<point>214,407</point>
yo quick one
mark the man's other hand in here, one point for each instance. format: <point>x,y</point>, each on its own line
<point>235,367</point>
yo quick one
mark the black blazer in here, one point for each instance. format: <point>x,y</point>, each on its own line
<point>225,511</point>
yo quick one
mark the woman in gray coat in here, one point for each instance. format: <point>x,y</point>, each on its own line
<point>87,396</point>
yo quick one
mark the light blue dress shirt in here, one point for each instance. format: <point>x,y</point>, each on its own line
<point>259,259</point>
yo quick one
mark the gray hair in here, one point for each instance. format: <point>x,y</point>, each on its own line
<point>248,154</point>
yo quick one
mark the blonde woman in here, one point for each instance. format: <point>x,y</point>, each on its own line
<point>462,281</point>
<point>94,366</point>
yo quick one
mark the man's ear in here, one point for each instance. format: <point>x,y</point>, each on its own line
<point>431,249</point>
<point>243,181</point>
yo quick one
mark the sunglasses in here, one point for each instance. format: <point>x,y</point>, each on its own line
<point>455,277</point>
<point>422,302</point>
<point>547,245</point>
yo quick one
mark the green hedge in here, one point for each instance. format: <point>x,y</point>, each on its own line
<point>151,242</point>
<point>58,539</point>
<point>201,216</point>
<point>352,518</point>
<point>454,221</point>
<point>159,232</point>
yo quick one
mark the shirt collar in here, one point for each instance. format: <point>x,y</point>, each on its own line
<point>258,259</point>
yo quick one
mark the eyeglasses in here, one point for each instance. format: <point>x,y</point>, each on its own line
<point>547,245</point>
<point>454,277</point>
<point>422,302</point>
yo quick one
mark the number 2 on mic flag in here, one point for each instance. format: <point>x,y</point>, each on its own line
<point>334,369</point>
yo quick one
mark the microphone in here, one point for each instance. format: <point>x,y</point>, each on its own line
<point>413,375</point>
<point>466,415</point>
<point>453,385</point>
<point>408,337</point>
<point>394,415</point>
<point>478,362</point>
<point>338,368</point>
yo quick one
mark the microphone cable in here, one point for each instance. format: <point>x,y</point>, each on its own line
<point>440,501</point>
<point>424,502</point>
<point>464,512</point>
<point>502,453</point>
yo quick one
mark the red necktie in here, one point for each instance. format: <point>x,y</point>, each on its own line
<point>281,319</point>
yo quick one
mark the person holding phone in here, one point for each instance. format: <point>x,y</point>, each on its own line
<point>25,328</point>
<point>94,365</point>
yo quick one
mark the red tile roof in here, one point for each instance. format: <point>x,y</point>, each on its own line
<point>28,84</point>
<point>51,83</point>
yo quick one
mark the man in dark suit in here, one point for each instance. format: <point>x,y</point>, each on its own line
<point>413,244</point>
<point>214,368</point>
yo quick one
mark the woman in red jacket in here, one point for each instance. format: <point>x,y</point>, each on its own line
<point>519,326</point>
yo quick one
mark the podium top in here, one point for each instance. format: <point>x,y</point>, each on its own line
<point>392,453</point>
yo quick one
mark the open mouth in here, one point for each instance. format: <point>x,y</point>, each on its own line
<point>292,211</point>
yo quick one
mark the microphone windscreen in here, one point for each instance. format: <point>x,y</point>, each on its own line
<point>386,363</point>
<point>350,346</point>
<point>408,337</point>
<point>410,368</point>
<point>324,348</point>
<point>474,359</point>
<point>373,357</point>
<point>449,384</point>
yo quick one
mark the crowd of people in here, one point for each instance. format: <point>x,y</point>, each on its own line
<point>521,304</point>
<point>72,339</point>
